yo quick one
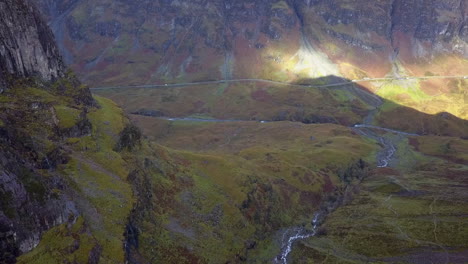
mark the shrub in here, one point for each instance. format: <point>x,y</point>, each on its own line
<point>130,137</point>
<point>357,170</point>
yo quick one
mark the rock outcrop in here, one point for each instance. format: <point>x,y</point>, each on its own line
<point>32,191</point>
<point>27,45</point>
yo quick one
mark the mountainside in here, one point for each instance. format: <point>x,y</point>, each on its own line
<point>45,111</point>
<point>28,47</point>
<point>121,43</point>
<point>326,166</point>
<point>135,42</point>
<point>28,51</point>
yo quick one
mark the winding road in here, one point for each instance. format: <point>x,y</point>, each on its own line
<point>383,158</point>
<point>292,235</point>
<point>385,129</point>
<point>347,82</point>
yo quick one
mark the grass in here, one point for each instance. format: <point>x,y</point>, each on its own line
<point>430,97</point>
<point>67,242</point>
<point>98,177</point>
<point>68,117</point>
<point>441,124</point>
<point>267,177</point>
<point>450,148</point>
<point>397,213</point>
<point>396,90</point>
<point>242,101</point>
<point>111,198</point>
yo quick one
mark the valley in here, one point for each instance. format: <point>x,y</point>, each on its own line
<point>217,131</point>
<point>392,152</point>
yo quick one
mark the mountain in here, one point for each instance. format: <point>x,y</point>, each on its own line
<point>49,124</point>
<point>28,47</point>
<point>306,161</point>
<point>135,42</point>
<point>122,43</point>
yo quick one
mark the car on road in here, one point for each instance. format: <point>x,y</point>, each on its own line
<point>366,78</point>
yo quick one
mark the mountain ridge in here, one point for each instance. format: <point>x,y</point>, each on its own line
<point>261,36</point>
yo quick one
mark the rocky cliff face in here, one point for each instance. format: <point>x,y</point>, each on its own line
<point>32,191</point>
<point>151,41</point>
<point>28,47</point>
<point>440,22</point>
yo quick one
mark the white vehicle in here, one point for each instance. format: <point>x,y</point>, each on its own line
<point>366,78</point>
<point>165,84</point>
<point>466,77</point>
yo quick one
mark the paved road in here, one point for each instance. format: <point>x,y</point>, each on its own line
<point>277,82</point>
<point>204,120</point>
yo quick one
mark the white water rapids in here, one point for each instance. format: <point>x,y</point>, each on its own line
<point>300,233</point>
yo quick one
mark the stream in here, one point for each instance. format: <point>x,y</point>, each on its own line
<point>298,234</point>
<point>384,156</point>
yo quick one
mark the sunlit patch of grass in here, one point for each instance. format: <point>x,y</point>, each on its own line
<point>394,90</point>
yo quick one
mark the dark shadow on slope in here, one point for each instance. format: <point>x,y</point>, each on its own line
<point>264,195</point>
<point>390,114</point>
<point>330,99</point>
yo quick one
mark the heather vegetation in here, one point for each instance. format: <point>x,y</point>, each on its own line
<point>316,159</point>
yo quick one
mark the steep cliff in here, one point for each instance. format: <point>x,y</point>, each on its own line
<point>158,41</point>
<point>28,48</point>
<point>44,110</point>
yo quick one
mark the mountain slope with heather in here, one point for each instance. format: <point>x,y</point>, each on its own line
<point>242,172</point>
<point>53,180</point>
<point>150,42</point>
